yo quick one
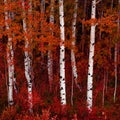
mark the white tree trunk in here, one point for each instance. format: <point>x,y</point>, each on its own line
<point>10,59</point>
<point>27,59</point>
<point>50,59</point>
<point>73,62</point>
<point>91,59</point>
<point>62,54</point>
<point>11,15</point>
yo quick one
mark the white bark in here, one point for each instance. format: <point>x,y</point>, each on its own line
<point>10,59</point>
<point>73,62</point>
<point>74,68</point>
<point>91,59</point>
<point>27,59</point>
<point>50,59</point>
<point>62,55</point>
<point>11,15</point>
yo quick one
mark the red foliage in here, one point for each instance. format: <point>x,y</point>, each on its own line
<point>46,36</point>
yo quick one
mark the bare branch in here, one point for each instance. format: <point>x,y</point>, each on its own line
<point>98,1</point>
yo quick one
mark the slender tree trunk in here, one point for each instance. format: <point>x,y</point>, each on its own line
<point>42,20</point>
<point>83,27</point>
<point>50,59</point>
<point>91,59</point>
<point>110,38</point>
<point>103,95</point>
<point>116,56</point>
<point>73,62</point>
<point>85,4</point>
<point>43,6</point>
<point>62,54</point>
<point>10,59</point>
<point>100,33</point>
<point>104,77</point>
<point>115,69</point>
<point>11,15</point>
<point>106,81</point>
<point>112,4</point>
<point>72,90</point>
<point>27,59</point>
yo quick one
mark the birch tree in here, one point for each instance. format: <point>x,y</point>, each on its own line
<point>91,59</point>
<point>73,62</point>
<point>62,54</point>
<point>116,55</point>
<point>27,58</point>
<point>10,57</point>
<point>11,16</point>
<point>50,59</point>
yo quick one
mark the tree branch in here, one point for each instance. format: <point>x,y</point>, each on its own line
<point>98,1</point>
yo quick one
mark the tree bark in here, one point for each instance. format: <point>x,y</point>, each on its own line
<point>91,59</point>
<point>42,20</point>
<point>116,56</point>
<point>11,15</point>
<point>10,58</point>
<point>73,61</point>
<point>28,59</point>
<point>62,54</point>
<point>50,59</point>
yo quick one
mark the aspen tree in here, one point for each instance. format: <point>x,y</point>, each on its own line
<point>11,15</point>
<point>28,59</point>
<point>91,59</point>
<point>10,58</point>
<point>73,62</point>
<point>62,54</point>
<point>50,59</point>
<point>116,55</point>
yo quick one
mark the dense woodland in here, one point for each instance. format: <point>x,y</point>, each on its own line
<point>59,59</point>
